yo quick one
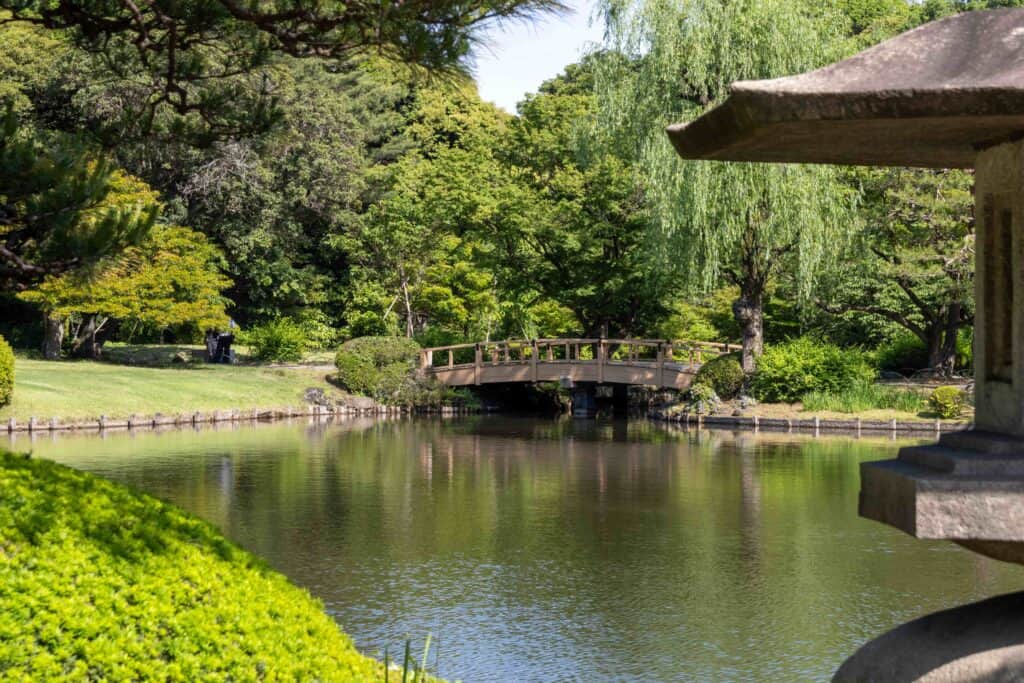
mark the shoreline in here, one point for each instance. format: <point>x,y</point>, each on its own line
<point>812,424</point>
<point>102,423</point>
<point>753,423</point>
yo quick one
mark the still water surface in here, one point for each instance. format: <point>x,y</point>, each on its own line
<point>551,551</point>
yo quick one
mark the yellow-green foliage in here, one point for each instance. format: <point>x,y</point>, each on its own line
<point>948,402</point>
<point>98,582</point>
<point>6,372</point>
<point>172,278</point>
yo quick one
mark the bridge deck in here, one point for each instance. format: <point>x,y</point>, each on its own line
<point>649,362</point>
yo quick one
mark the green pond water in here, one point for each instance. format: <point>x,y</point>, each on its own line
<point>540,550</point>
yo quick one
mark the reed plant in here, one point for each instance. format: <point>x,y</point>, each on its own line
<point>863,396</point>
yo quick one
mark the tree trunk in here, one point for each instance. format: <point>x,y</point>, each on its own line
<point>942,348</point>
<point>86,344</point>
<point>409,330</point>
<point>53,336</point>
<point>749,313</point>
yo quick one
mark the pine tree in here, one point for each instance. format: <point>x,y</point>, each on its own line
<point>52,213</point>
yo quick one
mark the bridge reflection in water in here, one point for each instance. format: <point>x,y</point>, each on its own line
<point>576,363</point>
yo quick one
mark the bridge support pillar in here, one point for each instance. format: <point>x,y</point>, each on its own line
<point>620,400</point>
<point>584,400</point>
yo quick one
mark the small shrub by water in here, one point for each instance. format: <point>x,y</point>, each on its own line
<point>948,402</point>
<point>863,396</point>
<point>787,372</point>
<point>723,374</point>
<point>6,372</point>
<point>380,367</point>
<point>98,582</point>
<point>702,399</point>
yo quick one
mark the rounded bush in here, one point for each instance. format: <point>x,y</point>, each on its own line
<point>787,371</point>
<point>380,367</point>
<point>948,402</point>
<point>101,583</point>
<point>278,340</point>
<point>6,372</point>
<point>723,374</point>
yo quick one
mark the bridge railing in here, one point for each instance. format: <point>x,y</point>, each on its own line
<point>573,350</point>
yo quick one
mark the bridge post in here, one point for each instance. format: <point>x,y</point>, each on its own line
<point>602,350</point>
<point>478,361</point>
<point>427,358</point>
<point>661,364</point>
<point>534,351</point>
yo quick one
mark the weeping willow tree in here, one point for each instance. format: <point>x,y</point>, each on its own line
<point>667,61</point>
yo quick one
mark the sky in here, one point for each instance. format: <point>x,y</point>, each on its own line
<point>519,56</point>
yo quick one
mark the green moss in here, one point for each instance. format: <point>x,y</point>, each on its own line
<point>100,583</point>
<point>6,372</point>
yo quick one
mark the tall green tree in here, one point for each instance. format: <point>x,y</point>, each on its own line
<point>414,253</point>
<point>585,249</point>
<point>913,264</point>
<point>717,222</point>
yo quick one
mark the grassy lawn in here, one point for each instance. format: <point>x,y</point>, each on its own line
<point>797,411</point>
<point>82,389</point>
<point>163,355</point>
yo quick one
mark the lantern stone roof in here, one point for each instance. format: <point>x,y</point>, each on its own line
<point>931,97</point>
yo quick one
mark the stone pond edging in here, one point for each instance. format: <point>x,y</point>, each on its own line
<point>102,423</point>
<point>812,424</point>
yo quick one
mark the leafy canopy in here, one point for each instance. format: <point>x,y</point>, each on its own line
<point>202,59</point>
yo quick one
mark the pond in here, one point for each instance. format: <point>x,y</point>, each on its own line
<point>539,550</point>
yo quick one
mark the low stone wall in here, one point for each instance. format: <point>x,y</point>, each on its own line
<point>811,424</point>
<point>101,423</point>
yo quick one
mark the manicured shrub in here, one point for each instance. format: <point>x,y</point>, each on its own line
<point>723,374</point>
<point>98,582</point>
<point>6,372</point>
<point>278,340</point>
<point>948,402</point>
<point>380,367</point>
<point>788,371</point>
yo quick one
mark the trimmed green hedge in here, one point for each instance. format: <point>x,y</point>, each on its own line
<point>723,374</point>
<point>98,582</point>
<point>788,371</point>
<point>6,372</point>
<point>381,367</point>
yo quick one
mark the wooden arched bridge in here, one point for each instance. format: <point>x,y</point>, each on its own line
<point>650,362</point>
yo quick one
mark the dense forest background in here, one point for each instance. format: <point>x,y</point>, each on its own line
<point>352,194</point>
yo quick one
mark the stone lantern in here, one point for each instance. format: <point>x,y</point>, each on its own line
<point>949,94</point>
